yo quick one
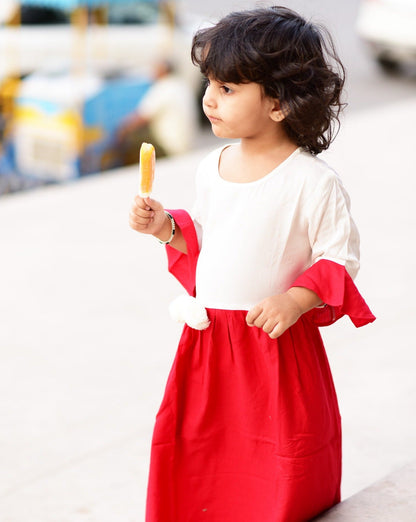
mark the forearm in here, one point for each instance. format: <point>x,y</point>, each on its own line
<point>306,299</point>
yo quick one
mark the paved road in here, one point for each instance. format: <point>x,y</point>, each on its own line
<point>86,342</point>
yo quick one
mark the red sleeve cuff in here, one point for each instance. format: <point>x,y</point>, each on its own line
<point>332,283</point>
<point>180,265</point>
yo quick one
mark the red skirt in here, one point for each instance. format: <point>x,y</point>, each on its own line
<point>249,428</point>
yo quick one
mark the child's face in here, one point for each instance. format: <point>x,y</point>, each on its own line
<point>239,110</point>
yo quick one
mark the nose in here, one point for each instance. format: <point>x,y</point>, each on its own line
<point>208,99</point>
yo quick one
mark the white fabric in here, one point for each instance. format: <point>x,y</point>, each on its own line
<point>170,107</point>
<point>186,309</point>
<point>257,237</point>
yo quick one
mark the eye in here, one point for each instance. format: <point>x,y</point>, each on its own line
<point>226,89</point>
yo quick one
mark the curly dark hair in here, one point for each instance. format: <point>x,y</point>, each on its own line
<point>292,59</point>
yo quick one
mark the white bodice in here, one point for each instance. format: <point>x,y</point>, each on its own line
<point>257,237</point>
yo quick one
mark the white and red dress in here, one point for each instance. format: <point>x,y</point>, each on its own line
<point>249,428</point>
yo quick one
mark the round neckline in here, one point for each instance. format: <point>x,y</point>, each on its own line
<point>256,181</point>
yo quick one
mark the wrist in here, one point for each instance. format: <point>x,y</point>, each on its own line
<point>295,301</point>
<point>167,230</point>
<point>304,298</point>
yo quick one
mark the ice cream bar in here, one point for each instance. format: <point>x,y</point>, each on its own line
<point>147,169</point>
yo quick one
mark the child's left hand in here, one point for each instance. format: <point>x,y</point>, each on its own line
<point>275,314</point>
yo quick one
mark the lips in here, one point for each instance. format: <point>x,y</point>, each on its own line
<point>213,119</point>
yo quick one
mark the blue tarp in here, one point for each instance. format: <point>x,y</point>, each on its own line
<point>72,4</point>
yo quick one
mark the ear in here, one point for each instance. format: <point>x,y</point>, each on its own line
<point>276,112</point>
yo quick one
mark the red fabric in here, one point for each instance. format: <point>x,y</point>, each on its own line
<point>248,429</point>
<point>332,283</point>
<point>183,266</point>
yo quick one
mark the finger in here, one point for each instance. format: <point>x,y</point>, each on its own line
<point>268,326</point>
<point>261,320</point>
<point>139,202</point>
<point>141,212</point>
<point>140,221</point>
<point>153,204</point>
<point>252,315</point>
<point>277,331</point>
<point>140,215</point>
<point>135,225</point>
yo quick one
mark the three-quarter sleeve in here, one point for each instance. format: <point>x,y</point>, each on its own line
<point>180,265</point>
<point>332,232</point>
<point>335,287</point>
<point>335,245</point>
<point>183,266</point>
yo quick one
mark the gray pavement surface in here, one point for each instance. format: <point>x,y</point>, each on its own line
<point>391,499</point>
<point>86,341</point>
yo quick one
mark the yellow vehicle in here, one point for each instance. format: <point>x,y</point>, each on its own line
<point>65,127</point>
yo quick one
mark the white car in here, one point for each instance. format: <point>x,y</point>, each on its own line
<point>389,27</point>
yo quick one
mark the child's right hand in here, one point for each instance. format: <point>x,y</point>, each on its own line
<point>147,216</point>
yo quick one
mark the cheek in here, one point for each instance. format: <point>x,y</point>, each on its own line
<point>251,120</point>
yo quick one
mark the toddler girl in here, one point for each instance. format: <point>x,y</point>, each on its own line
<point>249,428</point>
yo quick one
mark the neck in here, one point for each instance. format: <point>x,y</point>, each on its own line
<point>272,136</point>
<point>276,144</point>
<point>251,159</point>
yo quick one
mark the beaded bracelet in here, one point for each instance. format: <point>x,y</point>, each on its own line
<point>172,221</point>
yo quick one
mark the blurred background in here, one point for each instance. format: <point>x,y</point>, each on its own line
<point>74,73</point>
<point>71,73</point>
<point>86,341</point>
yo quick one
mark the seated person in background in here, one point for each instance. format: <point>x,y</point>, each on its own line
<point>166,116</point>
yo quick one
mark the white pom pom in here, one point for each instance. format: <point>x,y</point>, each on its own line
<point>176,308</point>
<point>186,309</point>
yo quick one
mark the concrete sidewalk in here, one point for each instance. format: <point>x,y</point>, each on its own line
<point>391,499</point>
<point>86,342</point>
